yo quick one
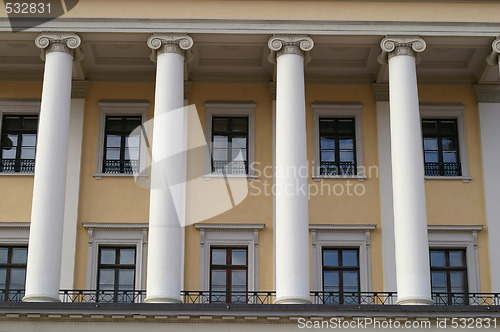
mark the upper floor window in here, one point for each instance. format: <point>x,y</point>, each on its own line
<point>441,147</point>
<point>116,274</point>
<point>228,275</point>
<point>341,282</point>
<point>121,151</point>
<point>12,272</point>
<point>337,139</point>
<point>18,143</point>
<point>449,276</point>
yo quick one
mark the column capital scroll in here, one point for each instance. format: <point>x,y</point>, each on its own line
<point>400,45</point>
<point>494,58</point>
<point>66,42</point>
<point>170,43</point>
<point>289,44</point>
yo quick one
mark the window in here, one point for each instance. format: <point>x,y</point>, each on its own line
<point>121,151</point>
<point>229,145</point>
<point>341,275</point>
<point>441,151</point>
<point>118,153</point>
<point>337,139</point>
<point>337,131</point>
<point>18,143</point>
<point>230,134</point>
<point>228,275</point>
<point>12,272</point>
<point>116,274</point>
<point>449,276</point>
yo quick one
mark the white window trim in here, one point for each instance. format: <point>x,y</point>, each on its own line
<point>230,108</point>
<point>230,235</point>
<point>119,234</point>
<point>338,110</point>
<point>18,106</point>
<point>459,237</point>
<point>450,111</point>
<point>14,233</point>
<point>338,236</point>
<point>120,108</point>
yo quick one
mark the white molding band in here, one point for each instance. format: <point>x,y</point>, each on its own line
<point>487,93</point>
<point>14,233</point>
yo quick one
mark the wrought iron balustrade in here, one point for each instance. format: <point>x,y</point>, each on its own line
<point>18,165</point>
<point>340,168</point>
<point>233,167</point>
<point>443,169</point>
<point>120,166</point>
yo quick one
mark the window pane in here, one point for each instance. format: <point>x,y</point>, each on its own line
<point>438,281</point>
<point>113,154</point>
<point>239,278</point>
<point>457,281</point>
<point>331,281</point>
<point>29,139</point>
<point>108,256</point>
<point>31,122</point>
<point>218,256</point>
<point>349,257</point>
<point>219,155</point>
<point>449,144</point>
<point>220,141</point>
<point>126,279</point>
<point>448,127</point>
<point>328,156</point>
<point>132,141</point>
<point>240,124</point>
<point>449,157</point>
<point>326,125</point>
<point>431,156</point>
<point>127,256</point>
<point>113,141</point>
<point>346,155</point>
<point>11,122</point>
<point>132,123</point>
<point>350,281</point>
<point>239,257</point>
<point>106,279</point>
<point>327,143</point>
<point>28,153</point>
<point>457,258</point>
<point>3,278</point>
<point>218,278</point>
<point>239,142</point>
<point>430,144</point>
<point>438,258</point>
<point>131,154</point>
<point>346,125</point>
<point>17,278</point>
<point>220,124</point>
<point>346,143</point>
<point>19,255</point>
<point>429,126</point>
<point>4,252</point>
<point>239,154</point>
<point>330,258</point>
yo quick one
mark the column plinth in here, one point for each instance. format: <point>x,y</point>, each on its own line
<point>410,218</point>
<point>47,216</point>
<point>292,217</point>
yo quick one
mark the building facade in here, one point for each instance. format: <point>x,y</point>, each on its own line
<point>166,162</point>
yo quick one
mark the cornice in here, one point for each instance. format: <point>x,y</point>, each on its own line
<point>289,44</point>
<point>400,45</point>
<point>113,226</point>
<point>14,225</point>
<point>79,89</point>
<point>342,228</point>
<point>229,227</point>
<point>454,228</point>
<point>59,42</point>
<point>487,93</point>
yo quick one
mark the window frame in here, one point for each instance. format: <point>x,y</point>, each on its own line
<point>120,108</point>
<point>445,111</point>
<point>340,269</point>
<point>230,109</point>
<point>338,110</point>
<point>228,268</point>
<point>19,107</point>
<point>230,134</point>
<point>9,266</point>
<point>447,268</point>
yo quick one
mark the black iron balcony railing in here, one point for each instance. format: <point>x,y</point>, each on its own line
<point>17,165</point>
<point>340,168</point>
<point>121,166</point>
<point>258,297</point>
<point>443,169</point>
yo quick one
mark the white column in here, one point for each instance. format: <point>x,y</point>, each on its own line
<point>292,218</point>
<point>165,232</point>
<point>410,216</point>
<point>47,215</point>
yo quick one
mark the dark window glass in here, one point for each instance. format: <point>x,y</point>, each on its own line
<point>121,151</point>
<point>228,275</point>
<point>12,273</point>
<point>230,145</point>
<point>337,145</point>
<point>18,143</point>
<point>449,276</point>
<point>441,154</point>
<point>341,276</point>
<point>116,274</point>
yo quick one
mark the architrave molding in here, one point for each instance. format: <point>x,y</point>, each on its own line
<point>487,93</point>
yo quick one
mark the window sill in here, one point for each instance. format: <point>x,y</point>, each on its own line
<point>464,179</point>
<point>211,176</point>
<point>99,176</point>
<point>339,177</point>
<point>16,174</point>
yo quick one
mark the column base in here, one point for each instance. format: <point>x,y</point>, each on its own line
<point>414,300</point>
<point>40,298</point>
<point>292,300</point>
<point>162,299</point>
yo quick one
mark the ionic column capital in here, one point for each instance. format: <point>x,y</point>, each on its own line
<point>59,42</point>
<point>170,43</point>
<point>400,45</point>
<point>493,59</point>
<point>289,44</point>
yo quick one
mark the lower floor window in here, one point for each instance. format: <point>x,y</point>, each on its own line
<point>12,273</point>
<point>228,275</point>
<point>116,274</point>
<point>341,275</point>
<point>449,276</point>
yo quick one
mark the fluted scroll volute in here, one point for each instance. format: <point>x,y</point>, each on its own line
<point>494,58</point>
<point>59,42</point>
<point>400,45</point>
<point>289,44</point>
<point>170,43</point>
